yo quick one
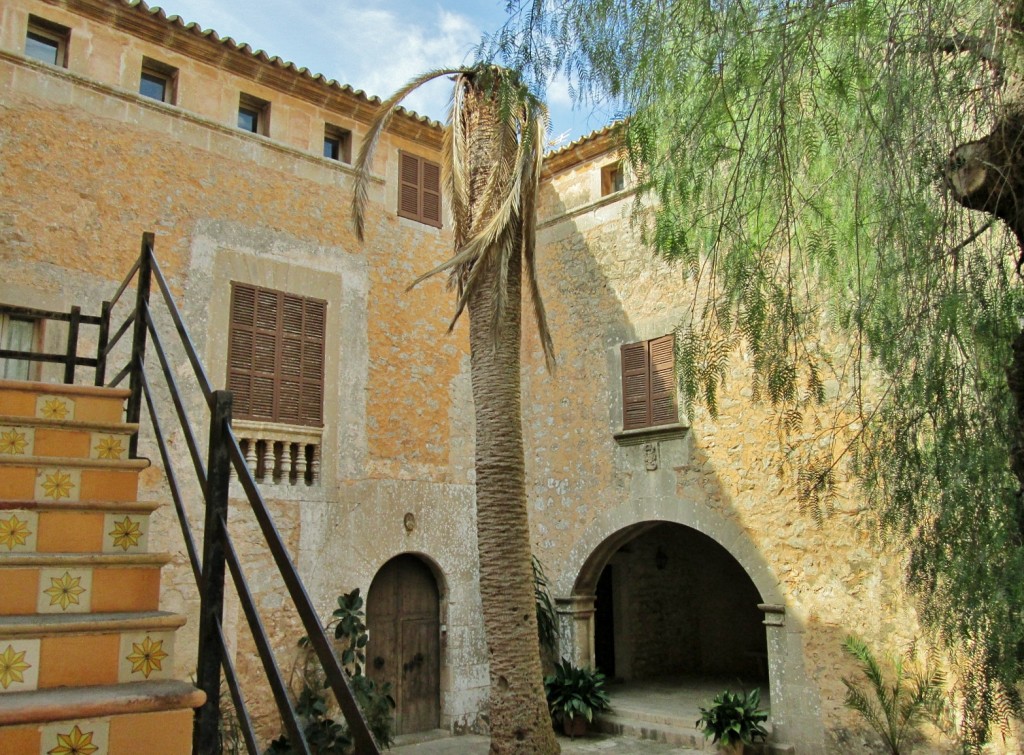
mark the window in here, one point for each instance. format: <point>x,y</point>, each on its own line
<point>337,143</point>
<point>47,42</point>
<point>253,114</point>
<point>419,189</point>
<point>613,179</point>
<point>157,81</point>
<point>649,383</point>
<point>276,356</point>
<point>16,334</point>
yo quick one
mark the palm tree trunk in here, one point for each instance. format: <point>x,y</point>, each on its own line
<point>519,720</point>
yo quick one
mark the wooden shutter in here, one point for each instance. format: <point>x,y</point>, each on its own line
<point>419,189</point>
<point>276,355</point>
<point>649,383</point>
<point>635,389</point>
<point>431,196</point>
<point>663,381</point>
<point>408,186</point>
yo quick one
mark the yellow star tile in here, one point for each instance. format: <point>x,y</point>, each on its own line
<point>64,591</point>
<point>58,485</point>
<point>13,441</point>
<point>54,408</point>
<point>12,667</point>
<point>13,531</point>
<point>75,742</point>
<point>147,656</point>
<point>109,447</point>
<point>126,533</point>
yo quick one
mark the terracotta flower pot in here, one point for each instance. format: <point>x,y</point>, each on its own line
<point>575,727</point>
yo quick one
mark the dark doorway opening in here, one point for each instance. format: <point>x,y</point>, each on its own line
<point>673,603</point>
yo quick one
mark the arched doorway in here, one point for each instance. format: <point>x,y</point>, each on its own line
<point>670,602</point>
<point>403,618</point>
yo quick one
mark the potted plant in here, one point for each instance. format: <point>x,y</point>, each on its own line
<point>734,721</point>
<point>574,695</point>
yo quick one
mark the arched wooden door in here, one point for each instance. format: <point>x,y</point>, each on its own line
<point>402,614</point>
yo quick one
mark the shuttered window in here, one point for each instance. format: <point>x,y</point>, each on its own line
<point>276,356</point>
<point>419,189</point>
<point>649,383</point>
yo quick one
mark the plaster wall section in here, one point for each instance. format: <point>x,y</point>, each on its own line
<point>604,288</point>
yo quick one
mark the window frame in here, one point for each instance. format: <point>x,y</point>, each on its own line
<point>244,371</point>
<point>649,396</point>
<point>342,139</point>
<point>613,178</point>
<point>259,109</point>
<point>413,195</point>
<point>48,31</point>
<point>158,70</point>
<point>5,343</point>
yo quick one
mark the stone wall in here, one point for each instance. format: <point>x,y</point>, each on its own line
<point>602,288</point>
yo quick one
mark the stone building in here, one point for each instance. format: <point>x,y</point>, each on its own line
<point>672,547</point>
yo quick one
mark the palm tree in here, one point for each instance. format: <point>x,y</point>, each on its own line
<point>491,163</point>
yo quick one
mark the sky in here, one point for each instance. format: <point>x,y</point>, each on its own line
<point>376,45</point>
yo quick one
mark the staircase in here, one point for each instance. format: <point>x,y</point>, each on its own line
<point>86,657</point>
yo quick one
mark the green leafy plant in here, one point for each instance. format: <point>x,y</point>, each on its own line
<point>896,709</point>
<point>315,704</point>
<point>734,718</point>
<point>575,692</point>
<point>547,622</point>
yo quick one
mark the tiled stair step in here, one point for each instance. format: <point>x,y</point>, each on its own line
<point>44,652</point>
<point>65,402</point>
<point>154,718</point>
<point>62,583</point>
<point>75,526</point>
<point>31,436</point>
<point>44,478</point>
<point>627,726</point>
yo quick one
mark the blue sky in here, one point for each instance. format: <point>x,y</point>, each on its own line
<point>374,45</point>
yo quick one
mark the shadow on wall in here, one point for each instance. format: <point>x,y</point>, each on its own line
<point>697,532</point>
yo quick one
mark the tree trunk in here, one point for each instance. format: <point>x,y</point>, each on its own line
<point>519,719</point>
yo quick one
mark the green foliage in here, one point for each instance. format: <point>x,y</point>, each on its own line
<point>547,621</point>
<point>734,718</point>
<point>896,709</point>
<point>315,705</point>
<point>792,158</point>
<point>574,691</point>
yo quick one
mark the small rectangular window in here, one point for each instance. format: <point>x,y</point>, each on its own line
<point>612,179</point>
<point>157,81</point>
<point>47,42</point>
<point>337,143</point>
<point>253,114</point>
<point>16,334</point>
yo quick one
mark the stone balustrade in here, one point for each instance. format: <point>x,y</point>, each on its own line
<point>280,454</point>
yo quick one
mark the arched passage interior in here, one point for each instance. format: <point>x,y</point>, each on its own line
<point>403,619</point>
<point>670,602</point>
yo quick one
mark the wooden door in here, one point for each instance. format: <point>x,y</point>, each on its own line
<point>402,614</point>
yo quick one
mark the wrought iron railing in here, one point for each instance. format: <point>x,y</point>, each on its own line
<point>218,551</point>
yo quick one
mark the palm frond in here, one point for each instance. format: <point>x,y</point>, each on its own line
<point>381,119</point>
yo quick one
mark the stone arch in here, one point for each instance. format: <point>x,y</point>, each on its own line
<point>795,707</point>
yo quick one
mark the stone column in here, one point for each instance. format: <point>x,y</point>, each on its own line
<point>576,629</point>
<point>778,646</point>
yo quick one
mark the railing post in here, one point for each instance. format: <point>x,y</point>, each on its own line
<point>72,352</point>
<point>205,737</point>
<point>133,409</point>
<point>101,347</point>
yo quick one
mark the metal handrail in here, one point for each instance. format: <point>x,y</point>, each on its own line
<point>218,554</point>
